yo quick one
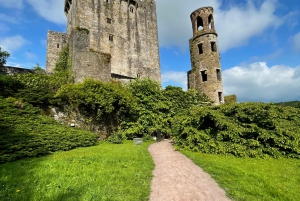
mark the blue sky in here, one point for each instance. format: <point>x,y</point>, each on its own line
<point>259,41</point>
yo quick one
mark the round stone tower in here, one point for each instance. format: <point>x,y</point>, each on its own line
<point>205,75</point>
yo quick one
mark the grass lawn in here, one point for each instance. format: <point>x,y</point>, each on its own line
<point>252,179</point>
<point>104,172</point>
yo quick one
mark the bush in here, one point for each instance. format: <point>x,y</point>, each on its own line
<point>245,130</point>
<point>25,132</point>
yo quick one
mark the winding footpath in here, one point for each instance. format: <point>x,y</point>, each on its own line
<point>177,178</point>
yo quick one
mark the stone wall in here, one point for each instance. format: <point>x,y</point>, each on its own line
<point>9,70</point>
<point>205,75</point>
<point>124,29</point>
<point>86,62</point>
<point>55,43</point>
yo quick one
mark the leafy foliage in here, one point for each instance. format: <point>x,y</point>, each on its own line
<point>102,103</point>
<point>62,72</point>
<point>25,132</point>
<point>38,89</point>
<point>290,103</point>
<point>245,130</point>
<point>3,56</point>
<point>230,99</point>
<point>9,86</point>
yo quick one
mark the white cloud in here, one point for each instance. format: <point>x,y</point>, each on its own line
<point>11,3</point>
<point>296,42</point>
<point>235,25</point>
<point>179,78</point>
<point>12,43</point>
<point>51,10</point>
<point>258,82</point>
<point>30,56</point>
<point>6,18</point>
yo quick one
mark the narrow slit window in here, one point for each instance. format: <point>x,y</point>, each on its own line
<point>204,75</point>
<point>218,72</point>
<point>131,9</point>
<point>138,75</point>
<point>220,97</point>
<point>105,1</point>
<point>108,20</point>
<point>57,45</point>
<point>111,37</point>
<point>200,48</point>
<point>213,46</point>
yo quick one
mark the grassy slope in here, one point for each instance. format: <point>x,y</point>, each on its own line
<point>253,179</point>
<point>104,172</point>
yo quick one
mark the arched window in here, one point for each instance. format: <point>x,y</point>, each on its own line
<point>211,24</point>
<point>199,23</point>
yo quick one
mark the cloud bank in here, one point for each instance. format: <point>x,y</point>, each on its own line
<point>255,82</point>
<point>258,82</point>
<point>51,10</point>
<point>235,25</point>
<point>12,43</point>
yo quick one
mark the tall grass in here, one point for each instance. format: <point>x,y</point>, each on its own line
<point>104,172</point>
<point>253,179</point>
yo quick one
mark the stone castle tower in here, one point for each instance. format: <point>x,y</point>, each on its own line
<point>109,39</point>
<point>205,75</point>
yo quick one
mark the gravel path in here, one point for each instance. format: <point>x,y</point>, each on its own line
<point>177,178</point>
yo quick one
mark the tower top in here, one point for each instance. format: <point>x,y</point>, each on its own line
<point>201,11</point>
<point>203,21</point>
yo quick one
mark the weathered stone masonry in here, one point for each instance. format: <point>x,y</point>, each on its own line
<point>109,39</point>
<point>205,75</point>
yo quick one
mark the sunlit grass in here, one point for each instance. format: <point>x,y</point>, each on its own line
<point>253,179</point>
<point>104,172</point>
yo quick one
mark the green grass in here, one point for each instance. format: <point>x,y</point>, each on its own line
<point>252,179</point>
<point>103,172</point>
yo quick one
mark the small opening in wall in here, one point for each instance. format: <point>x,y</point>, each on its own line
<point>57,45</point>
<point>204,75</point>
<point>220,97</point>
<point>108,20</point>
<point>218,71</point>
<point>106,1</point>
<point>200,48</point>
<point>131,9</point>
<point>111,37</point>
<point>138,75</point>
<point>211,22</point>
<point>199,23</point>
<point>213,46</point>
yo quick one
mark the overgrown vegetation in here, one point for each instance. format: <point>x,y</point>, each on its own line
<point>250,179</point>
<point>26,132</point>
<point>104,172</point>
<point>230,99</point>
<point>290,103</point>
<point>244,130</point>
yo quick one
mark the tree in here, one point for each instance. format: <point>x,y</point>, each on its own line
<point>3,56</point>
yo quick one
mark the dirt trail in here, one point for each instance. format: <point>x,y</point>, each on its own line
<point>177,178</point>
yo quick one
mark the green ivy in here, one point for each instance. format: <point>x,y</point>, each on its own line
<point>245,130</point>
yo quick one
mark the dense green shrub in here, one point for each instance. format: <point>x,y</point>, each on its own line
<point>245,129</point>
<point>9,86</point>
<point>25,132</point>
<point>102,103</point>
<point>151,110</point>
<point>230,99</point>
